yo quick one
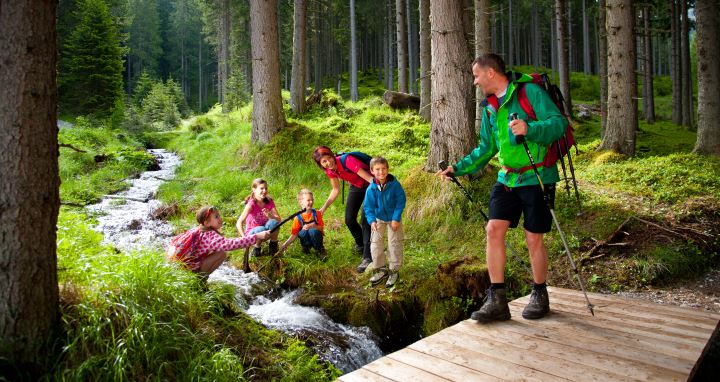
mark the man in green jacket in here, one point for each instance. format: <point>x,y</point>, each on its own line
<point>517,190</point>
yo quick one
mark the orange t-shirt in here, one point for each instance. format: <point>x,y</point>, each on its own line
<point>307,217</point>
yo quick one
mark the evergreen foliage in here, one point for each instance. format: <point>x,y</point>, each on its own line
<point>90,81</point>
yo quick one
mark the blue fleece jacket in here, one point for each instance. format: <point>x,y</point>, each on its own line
<point>385,202</point>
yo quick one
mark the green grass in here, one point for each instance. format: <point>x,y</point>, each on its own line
<point>129,316</point>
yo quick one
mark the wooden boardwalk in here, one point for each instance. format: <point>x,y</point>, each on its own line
<point>626,340</point>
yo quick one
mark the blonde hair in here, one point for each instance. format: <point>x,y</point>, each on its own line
<point>304,192</point>
<point>256,182</point>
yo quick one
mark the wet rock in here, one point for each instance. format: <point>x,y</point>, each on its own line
<point>165,211</point>
<point>135,224</point>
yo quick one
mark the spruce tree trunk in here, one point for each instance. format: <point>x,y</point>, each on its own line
<point>425,61</point>
<point>562,53</point>
<point>603,63</point>
<point>482,46</point>
<point>402,46</point>
<point>536,37</point>
<point>268,116</point>
<point>353,55</point>
<point>648,96</point>
<point>223,50</point>
<point>412,66</point>
<point>318,59</point>
<point>511,47</point>
<point>297,81</point>
<point>687,101</point>
<point>676,65</point>
<point>29,190</point>
<point>708,72</point>
<point>452,132</point>
<point>622,90</point>
<point>586,40</point>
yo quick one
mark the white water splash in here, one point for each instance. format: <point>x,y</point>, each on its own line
<point>347,347</point>
<point>126,220</point>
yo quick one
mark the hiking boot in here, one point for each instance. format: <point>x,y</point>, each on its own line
<point>363,265</point>
<point>256,252</point>
<point>494,308</point>
<point>306,249</point>
<point>358,249</point>
<point>379,275</point>
<point>392,279</point>
<point>538,306</point>
<point>273,247</point>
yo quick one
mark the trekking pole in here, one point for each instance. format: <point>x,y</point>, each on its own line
<point>246,255</point>
<point>443,165</point>
<point>546,197</point>
<point>572,174</point>
<point>275,229</point>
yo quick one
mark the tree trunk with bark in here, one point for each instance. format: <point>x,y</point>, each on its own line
<point>425,61</point>
<point>648,96</point>
<point>29,190</point>
<point>297,81</point>
<point>687,100</point>
<point>586,40</point>
<point>562,52</point>
<point>452,132</point>
<point>318,60</point>
<point>708,72</point>
<point>268,116</point>
<point>353,55</point>
<point>482,46</point>
<point>402,46</point>
<point>224,27</point>
<point>622,90</point>
<point>676,65</point>
<point>602,66</point>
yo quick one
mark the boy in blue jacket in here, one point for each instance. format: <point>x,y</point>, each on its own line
<point>384,204</point>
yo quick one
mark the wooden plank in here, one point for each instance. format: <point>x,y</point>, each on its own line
<point>441,347</point>
<point>612,332</point>
<point>363,375</point>
<point>660,308</point>
<point>392,369</point>
<point>564,334</point>
<point>669,317</point>
<point>690,337</point>
<point>542,362</point>
<point>582,355</point>
<point>439,366</point>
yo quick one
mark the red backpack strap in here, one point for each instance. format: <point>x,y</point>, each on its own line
<point>525,102</point>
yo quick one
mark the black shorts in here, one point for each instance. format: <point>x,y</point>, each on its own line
<point>508,203</point>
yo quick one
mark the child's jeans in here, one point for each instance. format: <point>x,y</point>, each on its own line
<point>311,238</point>
<point>268,226</point>
<point>395,245</point>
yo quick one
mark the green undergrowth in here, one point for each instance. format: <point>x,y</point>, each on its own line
<point>131,316</point>
<point>96,160</point>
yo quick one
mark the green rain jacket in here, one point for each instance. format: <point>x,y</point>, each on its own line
<point>496,138</point>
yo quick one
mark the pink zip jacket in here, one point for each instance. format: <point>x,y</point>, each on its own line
<point>206,243</point>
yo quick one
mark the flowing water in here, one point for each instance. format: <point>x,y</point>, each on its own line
<point>127,223</point>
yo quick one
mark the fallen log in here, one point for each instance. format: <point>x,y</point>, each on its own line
<point>397,100</point>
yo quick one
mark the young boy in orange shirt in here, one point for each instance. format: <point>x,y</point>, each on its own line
<point>308,226</point>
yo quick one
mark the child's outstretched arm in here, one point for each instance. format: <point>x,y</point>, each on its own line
<point>242,218</point>
<point>287,243</point>
<point>213,241</point>
<point>275,215</point>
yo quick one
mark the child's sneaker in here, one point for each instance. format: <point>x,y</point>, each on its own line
<point>392,279</point>
<point>379,275</point>
<point>256,252</point>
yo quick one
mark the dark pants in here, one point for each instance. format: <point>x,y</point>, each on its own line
<point>360,232</point>
<point>311,238</point>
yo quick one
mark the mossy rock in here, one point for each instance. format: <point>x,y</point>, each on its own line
<point>607,157</point>
<point>337,123</point>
